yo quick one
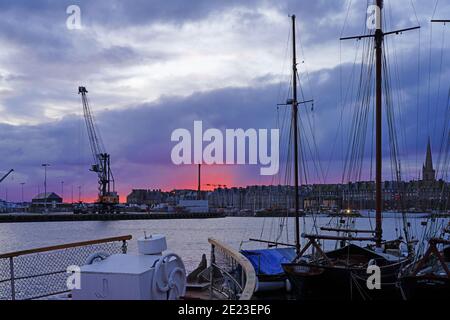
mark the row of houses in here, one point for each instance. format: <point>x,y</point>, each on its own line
<point>426,195</point>
<point>430,195</point>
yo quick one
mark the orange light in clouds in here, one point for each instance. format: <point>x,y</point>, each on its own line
<point>168,178</point>
<point>211,177</point>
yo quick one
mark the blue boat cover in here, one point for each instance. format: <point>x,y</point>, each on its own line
<point>268,261</point>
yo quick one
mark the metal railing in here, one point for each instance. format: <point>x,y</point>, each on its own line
<point>43,272</point>
<point>231,274</point>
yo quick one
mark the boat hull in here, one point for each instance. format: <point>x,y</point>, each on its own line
<point>425,288</point>
<point>270,282</point>
<point>340,283</point>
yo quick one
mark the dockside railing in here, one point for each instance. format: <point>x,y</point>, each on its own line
<point>43,272</point>
<point>231,274</point>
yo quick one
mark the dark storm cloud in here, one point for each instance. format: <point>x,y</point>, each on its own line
<point>42,22</point>
<point>327,15</point>
<point>150,126</point>
<point>131,12</point>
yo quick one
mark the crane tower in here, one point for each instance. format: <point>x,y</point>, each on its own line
<point>107,196</point>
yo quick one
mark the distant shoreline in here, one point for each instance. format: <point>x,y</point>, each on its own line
<point>62,217</point>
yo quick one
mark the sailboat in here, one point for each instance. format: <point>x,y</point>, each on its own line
<point>343,273</point>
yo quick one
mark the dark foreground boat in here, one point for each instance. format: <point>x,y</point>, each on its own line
<point>428,278</point>
<point>342,274</point>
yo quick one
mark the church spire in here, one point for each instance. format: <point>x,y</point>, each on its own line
<point>429,159</point>
<point>428,173</point>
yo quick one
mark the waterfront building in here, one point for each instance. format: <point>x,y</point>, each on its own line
<point>146,197</point>
<point>49,198</point>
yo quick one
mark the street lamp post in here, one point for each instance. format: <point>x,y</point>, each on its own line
<point>62,191</point>
<point>45,165</point>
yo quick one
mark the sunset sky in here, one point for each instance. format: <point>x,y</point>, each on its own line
<point>154,66</point>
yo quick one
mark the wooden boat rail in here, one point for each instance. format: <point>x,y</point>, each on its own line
<point>43,272</point>
<point>234,268</point>
<point>64,246</point>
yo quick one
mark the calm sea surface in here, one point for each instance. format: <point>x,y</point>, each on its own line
<point>188,238</point>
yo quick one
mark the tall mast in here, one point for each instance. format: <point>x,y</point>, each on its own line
<point>294,116</point>
<point>378,136</point>
<point>379,37</point>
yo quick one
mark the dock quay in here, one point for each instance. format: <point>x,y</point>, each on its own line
<point>61,217</point>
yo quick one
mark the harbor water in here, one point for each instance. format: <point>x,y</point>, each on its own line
<point>188,238</point>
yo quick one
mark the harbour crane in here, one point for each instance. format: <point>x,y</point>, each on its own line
<point>6,175</point>
<point>108,199</point>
